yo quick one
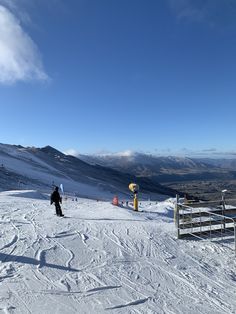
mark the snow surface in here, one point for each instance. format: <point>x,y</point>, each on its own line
<point>105,259</point>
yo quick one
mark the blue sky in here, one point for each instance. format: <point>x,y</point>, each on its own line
<point>115,75</point>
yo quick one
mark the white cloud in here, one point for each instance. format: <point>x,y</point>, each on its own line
<point>71,152</point>
<point>19,9</point>
<point>20,59</point>
<point>126,153</point>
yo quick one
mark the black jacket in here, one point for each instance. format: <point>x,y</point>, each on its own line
<point>55,197</point>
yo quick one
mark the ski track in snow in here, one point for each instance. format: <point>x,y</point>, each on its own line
<point>106,259</point>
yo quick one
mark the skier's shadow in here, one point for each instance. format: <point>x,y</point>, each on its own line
<point>29,260</point>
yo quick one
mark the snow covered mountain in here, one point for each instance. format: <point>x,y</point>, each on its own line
<point>31,167</point>
<point>149,165</point>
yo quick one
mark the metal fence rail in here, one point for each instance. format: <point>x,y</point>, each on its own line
<point>206,223</point>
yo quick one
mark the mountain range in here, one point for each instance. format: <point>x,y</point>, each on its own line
<point>201,178</point>
<point>97,176</point>
<point>31,167</point>
<point>166,169</point>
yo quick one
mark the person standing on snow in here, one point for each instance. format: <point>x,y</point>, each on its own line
<point>56,199</point>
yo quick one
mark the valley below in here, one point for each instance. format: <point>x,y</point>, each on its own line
<point>203,186</point>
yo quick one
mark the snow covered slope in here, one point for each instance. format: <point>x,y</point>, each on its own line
<point>106,259</point>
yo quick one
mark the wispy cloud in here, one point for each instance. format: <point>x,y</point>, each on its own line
<point>187,9</point>
<point>214,12</point>
<point>201,153</point>
<point>20,59</point>
<point>181,152</point>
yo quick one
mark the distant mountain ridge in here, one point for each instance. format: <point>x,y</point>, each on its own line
<point>148,165</point>
<point>41,167</point>
<point>167,169</point>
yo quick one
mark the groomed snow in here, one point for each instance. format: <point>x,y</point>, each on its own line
<point>105,259</point>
